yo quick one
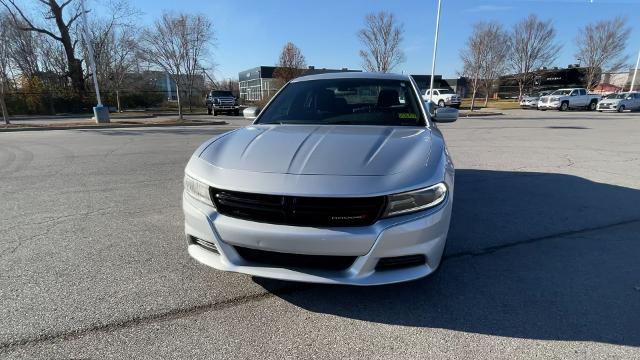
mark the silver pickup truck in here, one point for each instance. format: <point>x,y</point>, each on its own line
<point>564,99</point>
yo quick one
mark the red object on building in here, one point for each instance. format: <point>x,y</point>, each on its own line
<point>606,89</point>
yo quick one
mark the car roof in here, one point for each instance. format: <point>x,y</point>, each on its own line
<point>352,75</point>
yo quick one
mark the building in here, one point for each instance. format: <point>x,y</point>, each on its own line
<point>258,83</point>
<point>543,79</point>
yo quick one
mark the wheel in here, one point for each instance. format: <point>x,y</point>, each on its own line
<point>592,105</point>
<point>441,103</point>
<point>564,106</point>
<point>542,109</point>
<point>209,112</point>
<point>621,108</point>
<point>236,113</point>
<point>599,110</point>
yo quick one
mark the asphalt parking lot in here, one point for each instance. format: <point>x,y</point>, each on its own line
<point>542,261</point>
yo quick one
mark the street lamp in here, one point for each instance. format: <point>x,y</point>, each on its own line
<point>100,113</point>
<point>435,50</point>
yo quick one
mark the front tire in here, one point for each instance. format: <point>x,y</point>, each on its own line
<point>621,108</point>
<point>209,111</point>
<point>593,105</point>
<point>564,106</point>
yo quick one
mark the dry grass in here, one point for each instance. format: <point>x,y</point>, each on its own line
<point>493,104</point>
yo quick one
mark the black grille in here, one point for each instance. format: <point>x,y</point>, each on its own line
<point>297,210</point>
<point>205,244</point>
<point>399,262</point>
<point>286,260</point>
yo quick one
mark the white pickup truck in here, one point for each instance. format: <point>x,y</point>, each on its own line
<point>443,97</point>
<point>564,99</point>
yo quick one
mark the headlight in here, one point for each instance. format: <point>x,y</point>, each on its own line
<point>197,190</point>
<point>416,200</point>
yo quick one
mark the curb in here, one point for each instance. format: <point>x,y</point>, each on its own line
<point>477,114</point>
<point>114,126</point>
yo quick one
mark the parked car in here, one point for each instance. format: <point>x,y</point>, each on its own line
<point>222,101</point>
<point>620,102</point>
<point>531,101</point>
<point>343,178</point>
<point>443,97</point>
<point>564,99</point>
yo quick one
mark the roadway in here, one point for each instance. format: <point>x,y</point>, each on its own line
<point>543,255</point>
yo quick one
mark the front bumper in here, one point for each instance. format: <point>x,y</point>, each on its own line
<point>551,105</point>
<point>226,107</point>
<point>607,107</point>
<point>422,233</point>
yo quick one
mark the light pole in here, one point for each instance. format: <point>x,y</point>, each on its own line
<point>635,72</point>
<point>100,113</point>
<point>435,50</point>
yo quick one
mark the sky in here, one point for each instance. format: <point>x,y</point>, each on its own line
<point>252,33</point>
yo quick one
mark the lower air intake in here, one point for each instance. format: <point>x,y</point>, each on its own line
<point>286,260</point>
<point>400,262</point>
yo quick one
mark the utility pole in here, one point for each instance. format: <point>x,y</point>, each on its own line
<point>100,113</point>
<point>435,50</point>
<point>635,72</point>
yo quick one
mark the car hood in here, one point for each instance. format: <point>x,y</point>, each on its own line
<point>529,98</point>
<point>321,149</point>
<point>611,101</point>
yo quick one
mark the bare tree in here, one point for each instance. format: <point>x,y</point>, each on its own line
<point>4,65</point>
<point>229,84</point>
<point>63,34</point>
<point>381,37</point>
<point>169,44</point>
<point>601,47</point>
<point>532,46</point>
<point>496,51</point>
<point>291,64</point>
<point>23,47</point>
<point>114,41</point>
<point>198,39</point>
<point>473,58</point>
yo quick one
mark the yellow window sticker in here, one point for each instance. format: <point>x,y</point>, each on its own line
<point>407,116</point>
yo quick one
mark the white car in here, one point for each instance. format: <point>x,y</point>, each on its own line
<point>337,181</point>
<point>565,99</point>
<point>620,102</point>
<point>531,101</point>
<point>443,97</point>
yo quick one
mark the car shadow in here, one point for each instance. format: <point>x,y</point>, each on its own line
<point>529,255</point>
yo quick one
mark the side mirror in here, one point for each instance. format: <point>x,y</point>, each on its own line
<point>445,115</point>
<point>629,98</point>
<point>251,112</point>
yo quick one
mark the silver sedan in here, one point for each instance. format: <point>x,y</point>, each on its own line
<point>342,178</point>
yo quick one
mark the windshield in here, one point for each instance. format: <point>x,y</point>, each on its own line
<point>562,92</point>
<point>220,93</point>
<point>445,91</point>
<point>345,101</point>
<point>618,96</point>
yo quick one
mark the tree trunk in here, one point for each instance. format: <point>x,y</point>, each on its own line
<point>473,95</point>
<point>520,89</point>
<point>3,105</point>
<point>486,98</point>
<point>179,103</point>
<point>118,100</point>
<point>74,64</point>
